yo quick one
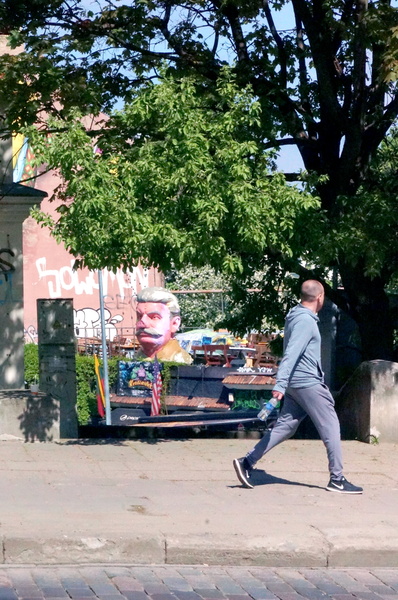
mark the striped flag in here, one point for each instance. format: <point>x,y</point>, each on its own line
<point>156,389</point>
<point>100,387</point>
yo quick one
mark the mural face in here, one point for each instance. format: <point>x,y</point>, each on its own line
<point>158,320</point>
<point>155,326</point>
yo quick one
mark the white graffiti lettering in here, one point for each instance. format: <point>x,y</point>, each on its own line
<point>67,279</point>
<point>87,323</point>
<point>31,335</point>
<point>259,370</point>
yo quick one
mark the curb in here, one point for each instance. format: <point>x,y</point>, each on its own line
<point>315,550</point>
<point>83,550</point>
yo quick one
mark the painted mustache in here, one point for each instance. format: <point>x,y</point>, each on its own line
<point>148,331</point>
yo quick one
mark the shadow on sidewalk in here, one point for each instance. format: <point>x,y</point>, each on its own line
<point>260,477</point>
<point>112,441</point>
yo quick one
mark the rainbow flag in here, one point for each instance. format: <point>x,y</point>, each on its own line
<point>100,387</point>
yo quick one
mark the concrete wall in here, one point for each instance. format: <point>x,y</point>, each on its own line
<point>367,404</point>
<point>11,300</point>
<point>327,327</point>
<point>14,208</point>
<point>57,364</point>
<point>28,416</point>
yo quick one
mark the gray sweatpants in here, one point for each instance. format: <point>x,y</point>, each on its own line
<point>318,403</point>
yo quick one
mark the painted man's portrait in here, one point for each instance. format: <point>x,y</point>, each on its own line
<point>158,320</point>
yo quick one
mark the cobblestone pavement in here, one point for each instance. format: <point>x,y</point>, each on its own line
<point>195,583</point>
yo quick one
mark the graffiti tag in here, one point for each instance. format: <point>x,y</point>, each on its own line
<point>87,322</point>
<point>80,282</point>
<point>5,266</point>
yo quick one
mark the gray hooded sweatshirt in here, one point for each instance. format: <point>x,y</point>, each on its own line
<point>301,363</point>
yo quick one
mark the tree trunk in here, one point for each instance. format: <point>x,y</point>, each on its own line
<point>369,307</point>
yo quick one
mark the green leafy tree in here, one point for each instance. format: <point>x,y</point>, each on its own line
<point>205,298</point>
<point>178,178</point>
<point>325,84</point>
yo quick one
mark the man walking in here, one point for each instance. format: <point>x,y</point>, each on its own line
<point>300,381</point>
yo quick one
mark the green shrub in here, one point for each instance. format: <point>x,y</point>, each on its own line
<point>31,358</point>
<point>86,402</point>
<point>86,399</point>
<point>86,384</point>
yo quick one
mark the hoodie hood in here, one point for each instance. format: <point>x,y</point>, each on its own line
<point>296,313</point>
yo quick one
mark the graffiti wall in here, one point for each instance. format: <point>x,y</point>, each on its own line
<point>49,273</point>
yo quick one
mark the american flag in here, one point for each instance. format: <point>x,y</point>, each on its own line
<point>156,389</point>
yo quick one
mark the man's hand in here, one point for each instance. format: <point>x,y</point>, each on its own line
<point>277,395</point>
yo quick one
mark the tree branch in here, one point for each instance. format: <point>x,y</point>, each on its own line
<point>374,134</point>
<point>359,68</point>
<point>321,46</point>
<point>292,177</point>
<point>216,38</point>
<point>279,42</point>
<point>289,142</point>
<point>230,11</point>
<point>179,49</point>
<point>302,66</point>
<point>346,15</point>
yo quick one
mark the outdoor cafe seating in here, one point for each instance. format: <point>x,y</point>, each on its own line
<point>123,346</point>
<point>263,356</point>
<point>198,354</point>
<point>216,355</point>
<point>119,346</point>
<point>224,355</point>
<point>221,355</point>
<point>89,345</point>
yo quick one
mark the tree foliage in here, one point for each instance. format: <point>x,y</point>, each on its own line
<point>206,297</point>
<point>326,83</point>
<point>177,178</point>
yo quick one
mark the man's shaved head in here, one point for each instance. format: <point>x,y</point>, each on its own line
<point>310,290</point>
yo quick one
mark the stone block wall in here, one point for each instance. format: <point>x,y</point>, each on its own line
<point>367,404</point>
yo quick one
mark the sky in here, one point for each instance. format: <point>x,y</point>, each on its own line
<point>289,160</point>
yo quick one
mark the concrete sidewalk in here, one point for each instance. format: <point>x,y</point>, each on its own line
<point>179,502</point>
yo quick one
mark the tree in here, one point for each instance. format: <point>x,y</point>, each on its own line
<point>177,178</point>
<point>205,299</point>
<point>325,84</point>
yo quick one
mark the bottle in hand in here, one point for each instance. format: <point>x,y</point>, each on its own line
<point>267,408</point>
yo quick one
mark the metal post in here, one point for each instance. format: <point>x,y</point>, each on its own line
<point>104,350</point>
<point>334,278</point>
